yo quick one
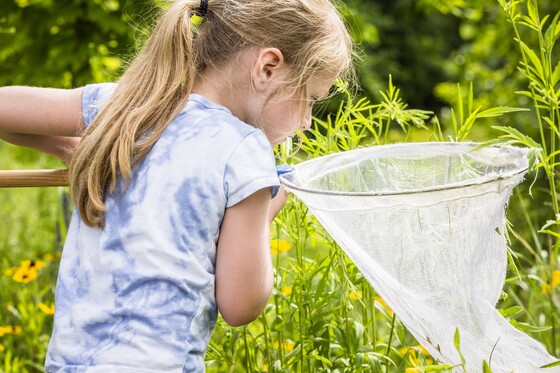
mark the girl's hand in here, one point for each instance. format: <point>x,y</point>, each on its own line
<point>277,203</point>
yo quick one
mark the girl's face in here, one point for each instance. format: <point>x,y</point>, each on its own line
<point>288,111</point>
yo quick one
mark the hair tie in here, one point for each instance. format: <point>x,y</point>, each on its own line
<point>203,9</point>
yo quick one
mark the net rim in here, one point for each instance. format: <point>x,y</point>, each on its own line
<point>503,176</point>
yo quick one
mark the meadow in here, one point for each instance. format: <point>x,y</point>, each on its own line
<point>323,315</point>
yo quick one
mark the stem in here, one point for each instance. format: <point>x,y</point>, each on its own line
<point>389,343</point>
<point>247,350</point>
<point>265,334</point>
<point>548,170</point>
<point>550,164</point>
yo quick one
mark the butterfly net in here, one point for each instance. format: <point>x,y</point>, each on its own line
<point>425,224</point>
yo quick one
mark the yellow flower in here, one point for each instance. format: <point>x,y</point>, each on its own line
<point>382,302</point>
<point>286,290</point>
<point>413,358</point>
<point>546,288</point>
<point>286,345</point>
<point>2,347</point>
<point>355,295</point>
<point>555,278</point>
<point>32,264</point>
<point>9,329</point>
<point>24,276</point>
<point>279,246</point>
<point>265,368</point>
<point>413,350</point>
<point>423,350</point>
<point>412,370</point>
<point>25,273</point>
<point>404,350</point>
<point>49,310</point>
<point>48,257</point>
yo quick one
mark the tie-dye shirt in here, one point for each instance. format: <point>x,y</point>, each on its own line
<point>138,295</point>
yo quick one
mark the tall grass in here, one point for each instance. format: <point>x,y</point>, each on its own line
<point>540,244</point>
<point>30,240</point>
<point>323,316</point>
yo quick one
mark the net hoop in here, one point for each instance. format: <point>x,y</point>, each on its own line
<point>465,148</point>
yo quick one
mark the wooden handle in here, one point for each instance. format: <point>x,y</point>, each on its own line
<point>33,178</point>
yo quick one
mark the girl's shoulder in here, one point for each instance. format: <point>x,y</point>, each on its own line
<point>210,117</point>
<point>94,96</point>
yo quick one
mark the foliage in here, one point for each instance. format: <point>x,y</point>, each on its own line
<point>323,315</point>
<point>68,44</point>
<point>404,38</point>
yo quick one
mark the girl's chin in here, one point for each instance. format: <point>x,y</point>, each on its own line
<point>280,140</point>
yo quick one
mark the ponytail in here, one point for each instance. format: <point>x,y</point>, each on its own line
<point>148,96</point>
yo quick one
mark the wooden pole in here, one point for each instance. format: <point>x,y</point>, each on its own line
<point>33,178</point>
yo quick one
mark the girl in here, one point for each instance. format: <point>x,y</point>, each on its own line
<point>172,177</point>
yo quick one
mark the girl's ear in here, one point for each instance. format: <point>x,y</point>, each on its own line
<point>269,66</point>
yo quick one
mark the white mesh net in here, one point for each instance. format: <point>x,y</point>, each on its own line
<point>425,224</point>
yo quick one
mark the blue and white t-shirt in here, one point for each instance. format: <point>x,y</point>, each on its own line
<point>138,295</point>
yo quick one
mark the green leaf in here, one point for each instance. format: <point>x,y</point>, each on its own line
<point>534,59</point>
<point>511,311</point>
<point>533,12</point>
<point>322,359</point>
<point>551,365</point>
<point>438,368</point>
<point>499,111</point>
<point>551,34</point>
<point>457,343</point>
<point>529,328</point>
<point>486,367</point>
<point>546,231</point>
<point>516,137</point>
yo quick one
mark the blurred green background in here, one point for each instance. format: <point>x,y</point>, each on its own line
<point>429,48</point>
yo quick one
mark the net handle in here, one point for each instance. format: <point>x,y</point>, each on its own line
<point>33,178</point>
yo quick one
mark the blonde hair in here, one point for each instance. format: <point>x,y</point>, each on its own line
<point>155,87</point>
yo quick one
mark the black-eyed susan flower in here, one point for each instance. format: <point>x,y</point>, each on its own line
<point>26,272</point>
<point>49,310</point>
<point>279,246</point>
<point>10,329</point>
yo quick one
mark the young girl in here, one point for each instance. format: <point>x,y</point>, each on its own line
<point>172,177</point>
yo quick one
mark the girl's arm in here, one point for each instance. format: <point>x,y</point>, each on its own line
<point>46,119</point>
<point>244,276</point>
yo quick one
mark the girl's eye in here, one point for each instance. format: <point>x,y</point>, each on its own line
<point>313,100</point>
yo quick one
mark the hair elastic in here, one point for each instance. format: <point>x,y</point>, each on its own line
<point>203,9</point>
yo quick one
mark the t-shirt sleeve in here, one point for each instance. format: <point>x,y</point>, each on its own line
<point>94,96</point>
<point>250,167</point>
